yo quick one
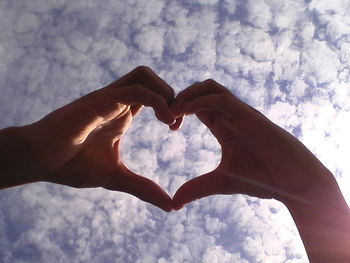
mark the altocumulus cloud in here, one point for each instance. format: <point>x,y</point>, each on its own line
<point>287,58</point>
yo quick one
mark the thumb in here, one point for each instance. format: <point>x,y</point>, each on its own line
<point>142,188</point>
<point>205,185</point>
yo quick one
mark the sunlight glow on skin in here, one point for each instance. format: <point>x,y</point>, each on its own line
<point>53,52</point>
<point>344,184</point>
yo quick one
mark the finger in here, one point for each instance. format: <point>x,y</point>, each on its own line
<point>222,103</point>
<point>205,185</point>
<point>219,113</point>
<point>178,123</point>
<point>114,129</point>
<point>144,76</point>
<point>79,118</point>
<point>135,109</point>
<point>137,94</point>
<point>143,188</point>
<point>197,90</point>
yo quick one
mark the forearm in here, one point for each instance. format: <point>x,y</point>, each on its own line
<point>323,221</point>
<point>17,165</point>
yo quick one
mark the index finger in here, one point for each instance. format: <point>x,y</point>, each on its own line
<point>145,76</point>
<point>210,95</point>
<point>196,90</point>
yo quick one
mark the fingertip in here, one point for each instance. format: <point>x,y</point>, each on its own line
<point>199,187</point>
<point>167,205</point>
<point>163,202</point>
<point>142,188</point>
<point>163,112</point>
<point>168,209</point>
<point>173,127</point>
<point>165,116</point>
<point>169,120</point>
<point>179,199</point>
<point>177,124</point>
<point>178,207</point>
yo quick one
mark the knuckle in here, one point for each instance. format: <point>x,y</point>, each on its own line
<point>171,95</point>
<point>142,71</point>
<point>210,82</point>
<point>197,83</point>
<point>213,85</point>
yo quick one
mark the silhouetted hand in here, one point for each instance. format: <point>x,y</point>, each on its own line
<point>263,160</point>
<point>258,157</point>
<point>78,144</point>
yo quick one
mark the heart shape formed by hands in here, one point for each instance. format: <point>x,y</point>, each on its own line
<point>78,144</point>
<point>258,157</point>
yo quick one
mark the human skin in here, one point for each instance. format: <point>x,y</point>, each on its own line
<point>78,144</point>
<point>261,159</point>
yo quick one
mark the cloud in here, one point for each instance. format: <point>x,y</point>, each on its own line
<point>259,14</point>
<point>218,254</point>
<point>287,58</point>
<point>150,41</point>
<point>318,68</point>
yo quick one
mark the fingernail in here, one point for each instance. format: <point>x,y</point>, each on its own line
<point>173,127</point>
<point>167,118</point>
<point>177,124</point>
<point>170,121</point>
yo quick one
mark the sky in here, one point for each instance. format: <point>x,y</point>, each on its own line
<point>289,59</point>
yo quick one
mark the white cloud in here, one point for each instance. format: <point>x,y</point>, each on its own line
<point>27,23</point>
<point>230,6</point>
<point>283,112</point>
<point>150,41</point>
<point>286,13</point>
<point>214,225</point>
<point>256,43</point>
<point>345,52</point>
<point>205,49</point>
<point>173,147</point>
<point>259,14</point>
<point>275,58</point>
<point>307,32</point>
<point>327,6</point>
<point>219,255</point>
<point>319,63</point>
<point>204,2</point>
<point>337,29</point>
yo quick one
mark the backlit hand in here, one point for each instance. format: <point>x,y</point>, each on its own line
<point>78,144</point>
<point>258,157</point>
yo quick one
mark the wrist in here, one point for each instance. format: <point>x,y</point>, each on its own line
<point>322,194</point>
<point>17,163</point>
<point>323,220</point>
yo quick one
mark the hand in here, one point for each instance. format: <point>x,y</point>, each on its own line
<point>78,145</point>
<point>258,157</point>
